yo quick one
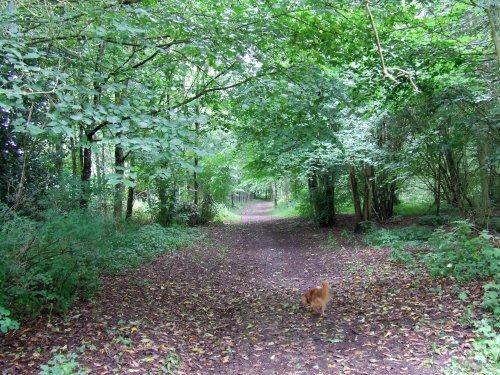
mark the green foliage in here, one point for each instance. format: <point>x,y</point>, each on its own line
<point>207,209</point>
<point>187,213</point>
<point>7,323</point>
<point>224,215</point>
<point>50,263</point>
<point>402,256</point>
<point>130,248</point>
<point>398,238</point>
<point>62,364</point>
<point>413,208</point>
<point>173,364</point>
<point>461,254</point>
<point>283,212</point>
<point>485,353</point>
<point>303,204</point>
<point>433,220</point>
<point>491,299</point>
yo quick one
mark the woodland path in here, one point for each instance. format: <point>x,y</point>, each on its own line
<point>230,305</point>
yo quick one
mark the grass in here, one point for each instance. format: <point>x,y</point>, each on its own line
<point>417,208</point>
<point>284,212</point>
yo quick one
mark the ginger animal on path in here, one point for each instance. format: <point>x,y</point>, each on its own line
<point>317,297</point>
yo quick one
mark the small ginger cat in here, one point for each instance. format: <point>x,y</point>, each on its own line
<point>318,297</point>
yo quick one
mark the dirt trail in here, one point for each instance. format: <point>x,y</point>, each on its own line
<point>230,305</point>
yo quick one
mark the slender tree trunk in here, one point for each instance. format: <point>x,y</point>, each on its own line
<point>130,202</point>
<point>119,188</point>
<point>59,160</point>
<point>166,197</point>
<point>80,149</point>
<point>329,209</point>
<point>195,184</point>
<point>195,175</point>
<point>22,179</point>
<point>74,168</point>
<point>493,12</point>
<point>355,196</point>
<point>87,151</point>
<point>275,194</point>
<point>484,204</point>
<point>366,194</point>
<point>438,193</point>
<point>287,192</point>
<point>86,174</point>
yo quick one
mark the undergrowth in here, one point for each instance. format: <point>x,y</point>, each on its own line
<point>457,251</point>
<point>224,215</point>
<point>45,265</point>
<point>284,212</point>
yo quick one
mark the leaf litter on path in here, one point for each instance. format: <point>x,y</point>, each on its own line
<point>236,310</point>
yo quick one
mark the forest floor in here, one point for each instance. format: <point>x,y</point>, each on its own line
<point>230,304</point>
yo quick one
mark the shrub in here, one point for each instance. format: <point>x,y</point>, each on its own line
<point>207,209</point>
<point>131,248</point>
<point>50,263</point>
<point>460,254</point>
<point>433,220</point>
<point>223,214</point>
<point>402,256</point>
<point>187,213</point>
<point>411,236</point>
<point>491,301</point>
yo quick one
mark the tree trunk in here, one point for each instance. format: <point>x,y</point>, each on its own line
<point>493,12</point>
<point>287,192</point>
<point>366,194</point>
<point>119,188</point>
<point>59,159</point>
<point>275,194</point>
<point>484,205</point>
<point>355,196</point>
<point>195,184</point>
<point>74,168</point>
<point>329,191</point>
<point>86,174</point>
<point>130,202</point>
<point>437,199</point>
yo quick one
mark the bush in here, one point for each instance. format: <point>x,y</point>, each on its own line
<point>433,220</point>
<point>187,213</point>
<point>131,249</point>
<point>402,256</point>
<point>461,254</point>
<point>224,214</point>
<point>304,206</point>
<point>50,263</point>
<point>411,236</point>
<point>207,209</point>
